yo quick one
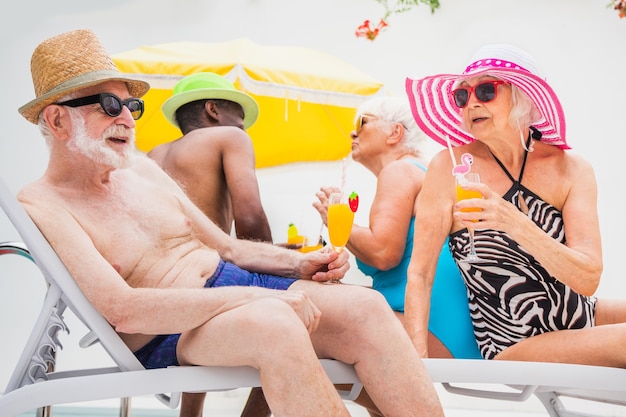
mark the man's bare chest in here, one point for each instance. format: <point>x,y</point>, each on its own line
<point>128,227</point>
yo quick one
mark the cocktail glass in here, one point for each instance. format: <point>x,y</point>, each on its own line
<point>340,220</point>
<point>464,194</point>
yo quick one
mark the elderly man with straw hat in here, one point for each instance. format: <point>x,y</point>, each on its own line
<point>153,264</point>
<point>214,159</point>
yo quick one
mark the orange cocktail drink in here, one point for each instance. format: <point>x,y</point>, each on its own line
<point>340,219</point>
<point>463,194</point>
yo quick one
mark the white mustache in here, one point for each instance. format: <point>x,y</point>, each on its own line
<point>118,131</point>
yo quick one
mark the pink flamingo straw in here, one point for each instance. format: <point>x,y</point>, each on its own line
<point>466,165</point>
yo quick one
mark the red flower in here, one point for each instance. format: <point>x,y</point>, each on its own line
<point>620,6</point>
<point>366,31</point>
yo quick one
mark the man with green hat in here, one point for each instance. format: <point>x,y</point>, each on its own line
<point>214,162</point>
<point>214,159</point>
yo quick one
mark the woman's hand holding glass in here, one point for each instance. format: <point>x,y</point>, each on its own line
<point>340,219</point>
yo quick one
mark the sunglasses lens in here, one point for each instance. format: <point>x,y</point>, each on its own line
<point>359,123</point>
<point>135,106</point>
<point>461,96</point>
<point>485,92</point>
<point>111,105</point>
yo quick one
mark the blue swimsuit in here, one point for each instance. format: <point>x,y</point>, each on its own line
<point>160,352</point>
<point>449,312</point>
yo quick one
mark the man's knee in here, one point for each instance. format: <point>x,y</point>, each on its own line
<point>365,303</point>
<point>252,331</point>
<point>271,320</point>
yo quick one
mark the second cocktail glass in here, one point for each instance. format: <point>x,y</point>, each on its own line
<point>340,220</point>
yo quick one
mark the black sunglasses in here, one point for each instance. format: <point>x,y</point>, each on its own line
<point>485,92</point>
<point>110,103</point>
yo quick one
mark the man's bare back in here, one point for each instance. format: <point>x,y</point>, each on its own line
<point>214,160</point>
<point>202,151</point>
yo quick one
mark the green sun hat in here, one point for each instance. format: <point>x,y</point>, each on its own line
<point>209,85</point>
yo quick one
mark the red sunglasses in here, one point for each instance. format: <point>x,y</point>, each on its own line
<point>485,92</point>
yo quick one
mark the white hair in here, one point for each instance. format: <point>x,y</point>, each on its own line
<point>395,110</point>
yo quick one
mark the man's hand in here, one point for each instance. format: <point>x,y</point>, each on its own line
<point>324,264</point>
<point>303,306</point>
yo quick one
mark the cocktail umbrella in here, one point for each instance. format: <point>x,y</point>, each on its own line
<point>307,98</point>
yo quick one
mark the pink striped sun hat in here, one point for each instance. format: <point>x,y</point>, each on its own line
<point>436,114</point>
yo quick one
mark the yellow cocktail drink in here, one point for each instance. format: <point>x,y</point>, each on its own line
<point>305,248</point>
<point>463,194</point>
<point>340,219</point>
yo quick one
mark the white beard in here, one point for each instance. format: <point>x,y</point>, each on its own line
<point>97,149</point>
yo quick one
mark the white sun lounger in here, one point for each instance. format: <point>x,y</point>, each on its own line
<point>35,385</point>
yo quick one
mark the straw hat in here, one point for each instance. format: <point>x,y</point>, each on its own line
<point>69,62</point>
<point>436,114</point>
<point>208,85</point>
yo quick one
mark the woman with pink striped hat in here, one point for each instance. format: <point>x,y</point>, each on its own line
<point>536,226</point>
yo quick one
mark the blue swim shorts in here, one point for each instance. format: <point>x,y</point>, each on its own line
<point>160,352</point>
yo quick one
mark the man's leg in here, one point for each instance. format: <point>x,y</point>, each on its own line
<point>358,327</point>
<point>256,406</point>
<point>286,364</point>
<point>436,349</point>
<point>191,404</point>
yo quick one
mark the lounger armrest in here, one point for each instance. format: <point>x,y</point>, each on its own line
<point>520,396</point>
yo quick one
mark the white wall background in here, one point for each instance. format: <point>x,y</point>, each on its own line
<point>579,44</point>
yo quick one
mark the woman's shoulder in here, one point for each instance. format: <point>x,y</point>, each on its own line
<point>567,161</point>
<point>405,166</point>
<point>400,175</point>
<point>441,162</point>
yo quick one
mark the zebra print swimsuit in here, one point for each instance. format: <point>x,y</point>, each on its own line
<point>511,296</point>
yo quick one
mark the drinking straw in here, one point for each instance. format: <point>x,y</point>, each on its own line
<point>344,168</point>
<point>321,239</point>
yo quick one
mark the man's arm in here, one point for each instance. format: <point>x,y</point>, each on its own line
<point>129,310</point>
<point>254,256</point>
<point>240,174</point>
